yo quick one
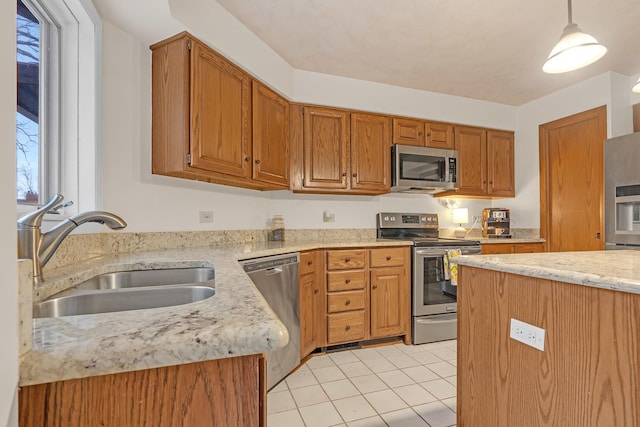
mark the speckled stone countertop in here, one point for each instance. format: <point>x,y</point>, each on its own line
<point>236,321</point>
<point>615,270</point>
<point>488,241</point>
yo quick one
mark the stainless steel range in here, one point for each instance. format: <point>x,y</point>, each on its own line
<point>433,300</point>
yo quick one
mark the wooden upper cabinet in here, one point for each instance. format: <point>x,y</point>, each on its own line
<point>440,135</point>
<point>408,132</point>
<point>471,144</point>
<point>270,136</point>
<point>370,152</point>
<point>500,169</point>
<point>220,114</point>
<point>326,148</point>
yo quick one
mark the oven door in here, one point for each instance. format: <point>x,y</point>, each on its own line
<point>432,293</point>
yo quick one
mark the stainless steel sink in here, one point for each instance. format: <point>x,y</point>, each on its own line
<point>142,278</point>
<point>130,290</point>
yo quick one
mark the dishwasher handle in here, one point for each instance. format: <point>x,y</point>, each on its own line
<point>269,263</point>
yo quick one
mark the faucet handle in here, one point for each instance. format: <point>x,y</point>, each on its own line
<point>33,219</point>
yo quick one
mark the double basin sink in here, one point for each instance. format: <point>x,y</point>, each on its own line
<point>131,290</point>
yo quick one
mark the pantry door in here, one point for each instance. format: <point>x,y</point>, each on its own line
<point>571,181</point>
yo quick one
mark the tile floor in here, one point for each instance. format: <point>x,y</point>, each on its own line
<point>395,385</point>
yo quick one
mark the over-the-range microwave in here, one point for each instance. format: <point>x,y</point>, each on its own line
<point>423,169</point>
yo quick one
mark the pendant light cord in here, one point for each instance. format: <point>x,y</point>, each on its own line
<point>570,18</point>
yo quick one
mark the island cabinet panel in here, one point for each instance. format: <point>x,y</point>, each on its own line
<point>312,302</point>
<point>370,153</point>
<point>224,392</point>
<point>271,139</point>
<point>511,248</point>
<point>587,375</point>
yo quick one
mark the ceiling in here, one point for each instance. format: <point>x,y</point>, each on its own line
<point>491,50</point>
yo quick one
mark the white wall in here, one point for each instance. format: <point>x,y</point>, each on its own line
<point>8,287</point>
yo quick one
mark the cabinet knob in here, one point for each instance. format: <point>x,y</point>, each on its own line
<point>420,133</point>
<point>346,328</point>
<point>354,175</point>
<point>257,161</point>
<point>309,262</point>
<point>247,159</point>
<point>388,257</point>
<point>347,302</point>
<point>347,259</point>
<point>344,174</point>
<point>316,291</point>
<point>347,281</point>
<point>428,133</point>
<point>375,286</point>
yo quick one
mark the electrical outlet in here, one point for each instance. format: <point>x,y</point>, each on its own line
<point>328,217</point>
<point>206,216</point>
<point>527,334</point>
<point>476,218</point>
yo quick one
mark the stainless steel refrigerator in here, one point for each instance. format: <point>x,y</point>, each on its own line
<point>622,192</point>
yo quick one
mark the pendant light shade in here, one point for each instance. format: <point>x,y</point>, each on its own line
<point>636,88</point>
<point>574,50</point>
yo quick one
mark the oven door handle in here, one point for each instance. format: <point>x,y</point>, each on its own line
<point>431,322</point>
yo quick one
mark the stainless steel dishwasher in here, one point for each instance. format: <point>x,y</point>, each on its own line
<point>276,277</point>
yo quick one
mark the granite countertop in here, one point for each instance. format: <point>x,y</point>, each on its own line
<point>236,321</point>
<point>485,240</point>
<point>615,270</point>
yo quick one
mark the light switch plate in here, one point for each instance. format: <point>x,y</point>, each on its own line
<point>527,334</point>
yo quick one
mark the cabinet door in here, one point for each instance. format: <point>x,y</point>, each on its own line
<point>408,132</point>
<point>440,135</point>
<point>220,114</point>
<point>389,294</point>
<point>500,153</point>
<point>326,148</point>
<point>270,136</point>
<point>521,248</point>
<point>370,152</point>
<point>471,144</point>
<point>497,248</point>
<point>312,308</point>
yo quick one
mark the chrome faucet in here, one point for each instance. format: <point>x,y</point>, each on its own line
<point>39,247</point>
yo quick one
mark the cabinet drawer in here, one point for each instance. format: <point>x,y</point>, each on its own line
<point>345,280</point>
<point>308,261</point>
<point>345,259</point>
<point>345,327</point>
<point>345,301</point>
<point>521,248</point>
<point>387,257</point>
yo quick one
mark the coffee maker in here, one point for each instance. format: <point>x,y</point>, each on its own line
<point>496,223</point>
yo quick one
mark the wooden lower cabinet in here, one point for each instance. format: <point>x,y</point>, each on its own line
<point>312,302</point>
<point>512,248</point>
<point>368,294</point>
<point>588,374</point>
<point>224,392</point>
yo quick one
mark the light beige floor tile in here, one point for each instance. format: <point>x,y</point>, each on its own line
<point>368,422</point>
<point>420,374</point>
<point>354,408</point>
<point>368,354</point>
<point>445,353</point>
<point>369,383</point>
<point>301,378</point>
<point>403,418</point>
<point>414,394</point>
<point>453,380</point>
<point>425,357</point>
<point>282,386</point>
<point>342,357</point>
<point>440,388</point>
<point>285,419</point>
<point>385,401</point>
<point>404,361</point>
<point>320,415</point>
<point>395,378</point>
<point>443,369</point>
<point>279,401</point>
<point>437,414</point>
<point>340,389</point>
<point>390,350</point>
<point>355,369</point>
<point>330,373</point>
<point>321,361</point>
<point>451,403</point>
<point>379,365</point>
<point>310,395</point>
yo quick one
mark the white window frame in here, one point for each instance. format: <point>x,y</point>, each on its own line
<point>71,126</point>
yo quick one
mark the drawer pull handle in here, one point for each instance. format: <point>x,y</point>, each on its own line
<point>309,262</point>
<point>346,328</point>
<point>347,302</point>
<point>315,291</point>
<point>388,257</point>
<point>347,259</point>
<point>375,286</point>
<point>347,281</point>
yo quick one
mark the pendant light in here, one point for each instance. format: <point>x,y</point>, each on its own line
<point>636,88</point>
<point>574,50</point>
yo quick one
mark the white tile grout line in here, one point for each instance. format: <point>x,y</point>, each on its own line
<point>406,351</point>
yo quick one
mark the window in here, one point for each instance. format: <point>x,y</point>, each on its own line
<point>57,117</point>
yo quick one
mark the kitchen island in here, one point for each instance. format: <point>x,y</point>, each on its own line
<point>588,303</point>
